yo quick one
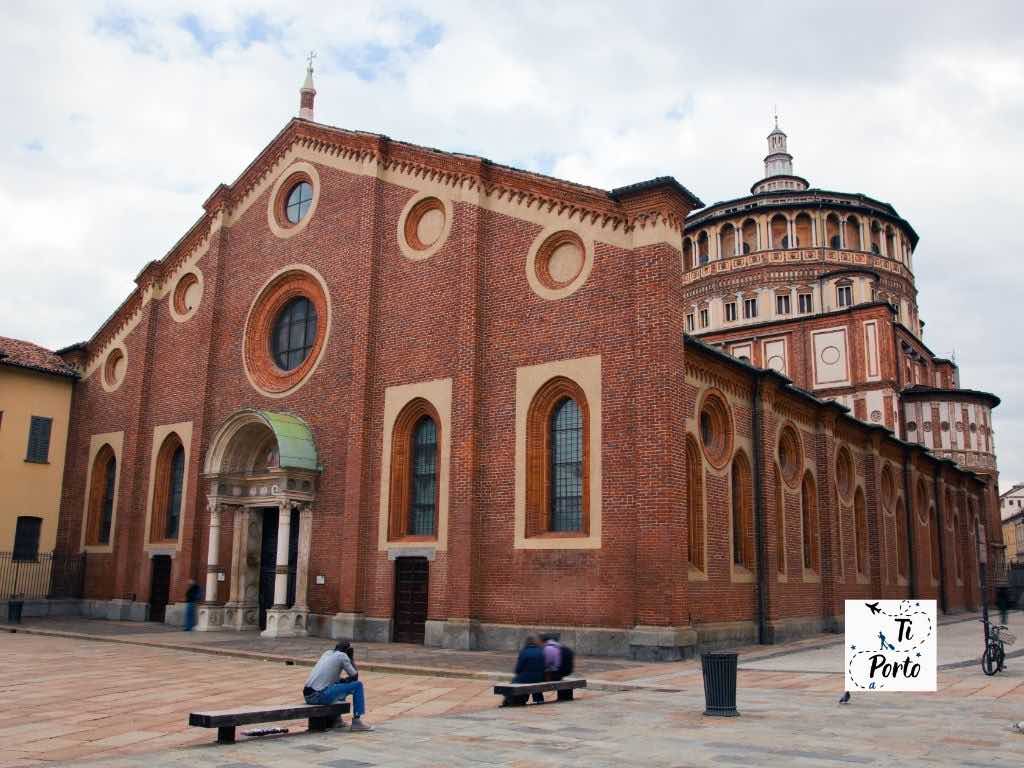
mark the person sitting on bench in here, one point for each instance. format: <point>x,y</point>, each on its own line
<point>529,669</point>
<point>326,686</point>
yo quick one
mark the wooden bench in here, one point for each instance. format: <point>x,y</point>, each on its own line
<point>321,717</point>
<point>521,691</point>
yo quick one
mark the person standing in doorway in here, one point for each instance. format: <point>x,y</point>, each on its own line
<point>191,598</point>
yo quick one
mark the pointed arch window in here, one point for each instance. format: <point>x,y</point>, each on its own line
<point>415,473</point>
<point>557,456</point>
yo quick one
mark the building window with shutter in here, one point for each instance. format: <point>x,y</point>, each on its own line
<point>26,539</point>
<point>39,440</point>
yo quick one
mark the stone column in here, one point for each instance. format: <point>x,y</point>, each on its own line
<point>284,521</point>
<point>302,566</point>
<point>213,552</point>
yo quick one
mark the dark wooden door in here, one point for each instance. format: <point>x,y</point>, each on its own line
<point>411,579</point>
<point>160,587</point>
<point>268,563</point>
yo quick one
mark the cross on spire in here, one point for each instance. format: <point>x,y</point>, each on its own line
<point>307,93</point>
<point>309,61</point>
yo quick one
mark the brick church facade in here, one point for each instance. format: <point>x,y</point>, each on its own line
<point>386,392</point>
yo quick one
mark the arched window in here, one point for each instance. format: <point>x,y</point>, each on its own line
<point>780,522</point>
<point>101,497</point>
<point>566,507</point>
<point>958,549</point>
<point>860,523</point>
<point>695,502</point>
<point>901,539</point>
<point>557,455</point>
<point>423,494</point>
<point>749,236</point>
<point>415,472</point>
<point>809,512</point>
<point>851,239</point>
<point>742,513</point>
<point>687,255</point>
<point>167,489</point>
<point>779,231</point>
<point>832,231</point>
<point>702,247</point>
<point>804,231</point>
<point>876,237</point>
<point>890,246</point>
<point>727,238</point>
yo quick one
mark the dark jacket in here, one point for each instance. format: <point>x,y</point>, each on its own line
<point>192,594</point>
<point>530,665</point>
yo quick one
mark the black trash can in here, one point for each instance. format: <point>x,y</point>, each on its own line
<point>719,683</point>
<point>14,610</point>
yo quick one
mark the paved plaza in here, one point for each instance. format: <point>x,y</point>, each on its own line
<point>118,694</point>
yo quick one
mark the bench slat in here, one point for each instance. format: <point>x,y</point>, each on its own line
<point>522,689</point>
<point>249,715</point>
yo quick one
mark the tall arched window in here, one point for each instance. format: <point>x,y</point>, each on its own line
<point>727,238</point>
<point>851,239</point>
<point>749,236</point>
<point>835,240</point>
<point>423,494</point>
<point>167,489</point>
<point>780,522</point>
<point>809,512</point>
<point>695,502</point>
<point>101,497</point>
<point>415,472</point>
<point>804,231</point>
<point>779,231</point>
<point>742,513</point>
<point>935,542</point>
<point>687,255</point>
<point>557,456</point>
<point>860,523</point>
<point>702,248</point>
<point>901,539</point>
<point>566,507</point>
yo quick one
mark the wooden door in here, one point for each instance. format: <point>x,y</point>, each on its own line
<point>411,580</point>
<point>160,587</point>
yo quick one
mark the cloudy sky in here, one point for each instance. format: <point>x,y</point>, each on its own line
<point>120,119</point>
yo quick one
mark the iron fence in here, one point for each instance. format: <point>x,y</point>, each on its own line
<point>49,575</point>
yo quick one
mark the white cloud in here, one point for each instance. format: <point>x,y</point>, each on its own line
<point>121,119</point>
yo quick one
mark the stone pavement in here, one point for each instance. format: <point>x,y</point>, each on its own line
<point>106,697</point>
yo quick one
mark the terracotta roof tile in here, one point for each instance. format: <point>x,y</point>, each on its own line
<point>24,354</point>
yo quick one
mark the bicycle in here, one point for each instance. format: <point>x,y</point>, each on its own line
<point>993,659</point>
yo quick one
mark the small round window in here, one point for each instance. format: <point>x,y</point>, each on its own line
<point>294,333</point>
<point>299,200</point>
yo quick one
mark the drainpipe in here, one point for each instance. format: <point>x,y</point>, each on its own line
<point>942,549</point>
<point>762,565</point>
<point>908,509</point>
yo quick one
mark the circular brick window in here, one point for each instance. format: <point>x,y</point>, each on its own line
<point>560,260</point>
<point>114,368</point>
<point>559,263</point>
<point>187,294</point>
<point>790,456</point>
<point>286,330</point>
<point>844,473</point>
<point>293,200</point>
<point>425,224</point>
<point>888,489</point>
<point>715,424</point>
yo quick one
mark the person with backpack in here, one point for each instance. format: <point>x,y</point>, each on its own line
<point>558,659</point>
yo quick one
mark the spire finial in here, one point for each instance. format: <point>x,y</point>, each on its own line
<point>776,110</point>
<point>307,92</point>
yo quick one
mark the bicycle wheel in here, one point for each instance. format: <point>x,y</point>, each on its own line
<point>990,659</point>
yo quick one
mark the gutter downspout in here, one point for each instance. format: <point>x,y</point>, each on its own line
<point>908,508</point>
<point>942,549</point>
<point>762,598</point>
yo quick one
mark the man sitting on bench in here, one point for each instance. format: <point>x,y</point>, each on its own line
<point>326,686</point>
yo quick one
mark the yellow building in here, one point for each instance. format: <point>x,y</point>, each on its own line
<point>35,402</point>
<point>1013,537</point>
